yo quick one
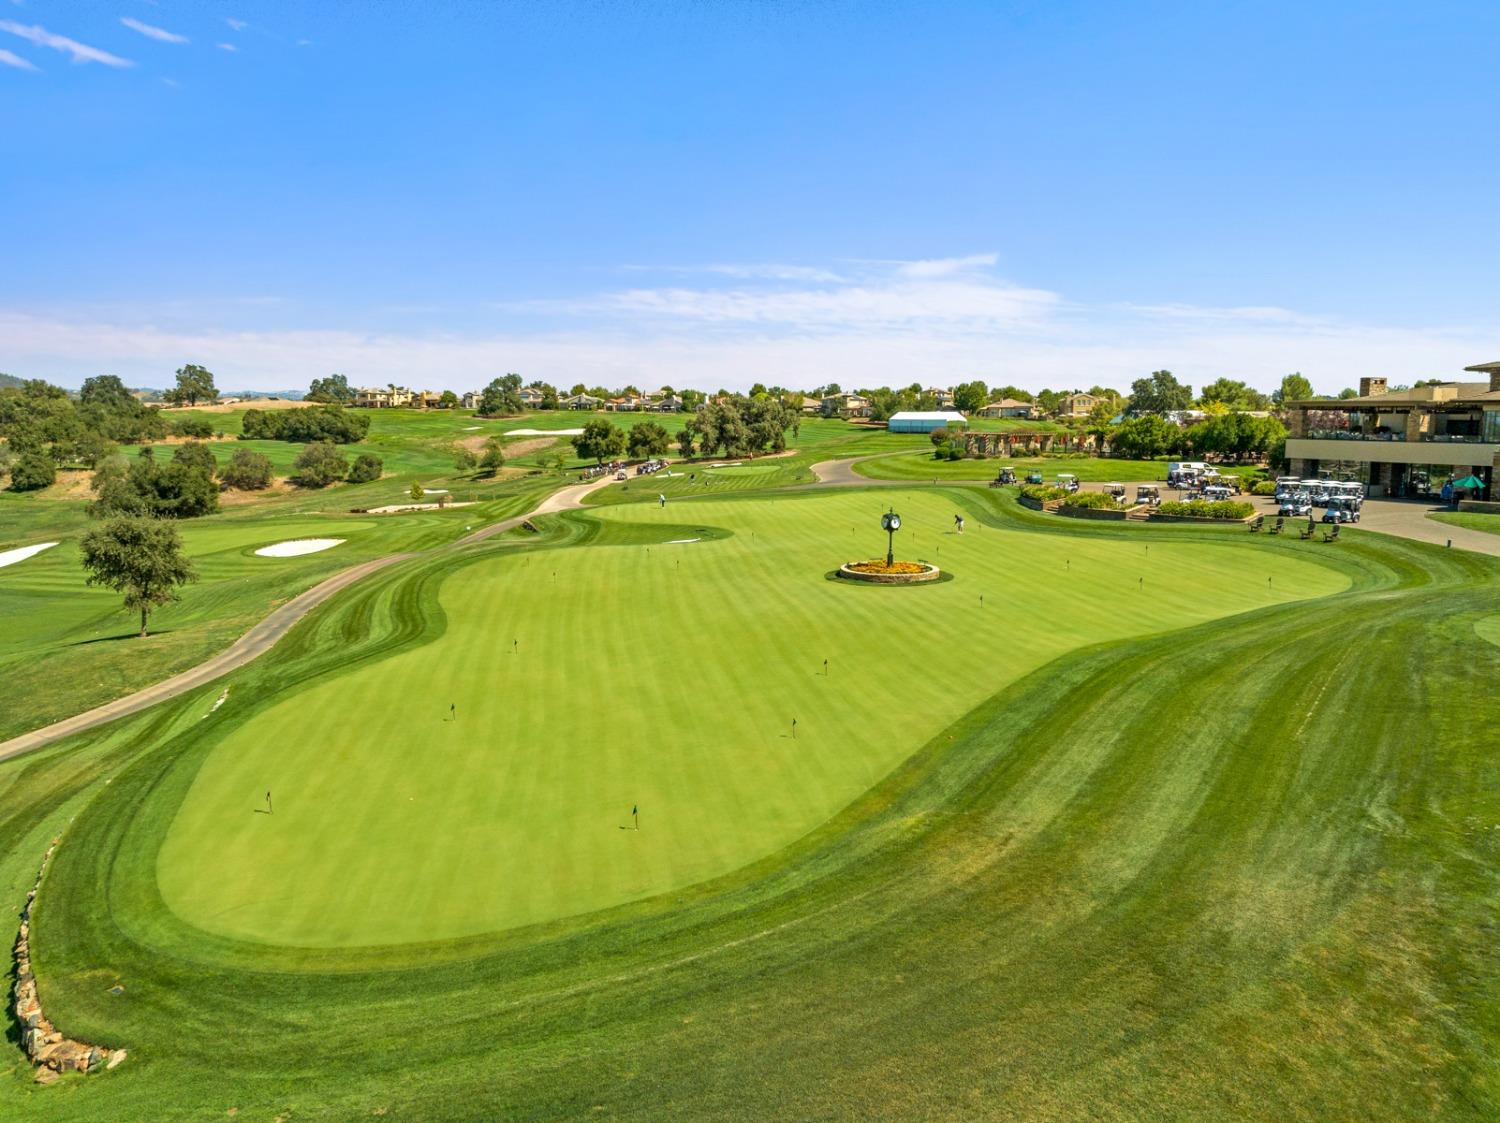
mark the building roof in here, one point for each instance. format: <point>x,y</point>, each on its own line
<point>1008,403</point>
<point>928,415</point>
<point>1484,368</point>
<point>1440,394</point>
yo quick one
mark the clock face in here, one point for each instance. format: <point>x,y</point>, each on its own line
<point>891,522</point>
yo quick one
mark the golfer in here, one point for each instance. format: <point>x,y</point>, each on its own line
<point>958,521</point>
<point>663,499</point>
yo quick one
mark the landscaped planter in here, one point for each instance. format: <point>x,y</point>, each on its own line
<point>1040,505</point>
<point>1197,519</point>
<point>920,575</point>
<point>1112,513</point>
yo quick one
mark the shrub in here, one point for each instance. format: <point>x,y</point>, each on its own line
<point>367,467</point>
<point>193,425</point>
<point>195,454</point>
<point>32,471</point>
<point>320,464</point>
<point>247,470</point>
<point>1091,500</point>
<point>1264,487</point>
<point>939,437</point>
<point>1203,509</point>
<point>1043,493</point>
<point>331,423</point>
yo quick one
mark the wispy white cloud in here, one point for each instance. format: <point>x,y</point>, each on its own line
<point>80,52</point>
<point>227,47</point>
<point>947,266</point>
<point>886,326</point>
<point>10,58</point>
<point>160,34</point>
<point>237,24</point>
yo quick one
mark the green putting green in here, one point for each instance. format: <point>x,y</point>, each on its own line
<point>663,676</point>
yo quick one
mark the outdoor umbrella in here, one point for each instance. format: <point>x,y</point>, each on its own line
<point>1469,483</point>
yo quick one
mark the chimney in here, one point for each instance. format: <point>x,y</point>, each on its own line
<point>1371,387</point>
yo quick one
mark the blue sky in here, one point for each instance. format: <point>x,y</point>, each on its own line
<point>717,193</point>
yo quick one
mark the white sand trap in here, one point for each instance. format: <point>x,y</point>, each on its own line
<point>434,491</point>
<point>399,508</point>
<point>298,546</point>
<point>470,428</point>
<point>542,433</point>
<point>683,541</point>
<point>21,553</point>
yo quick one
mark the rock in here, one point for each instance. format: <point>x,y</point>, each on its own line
<point>45,1076</point>
<point>115,1058</point>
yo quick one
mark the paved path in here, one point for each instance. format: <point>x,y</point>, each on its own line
<point>261,638</point>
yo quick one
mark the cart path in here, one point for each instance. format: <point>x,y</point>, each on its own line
<point>265,634</point>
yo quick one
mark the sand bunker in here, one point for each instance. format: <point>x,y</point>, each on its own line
<point>21,553</point>
<point>298,546</point>
<point>542,433</point>
<point>398,508</point>
<point>683,541</point>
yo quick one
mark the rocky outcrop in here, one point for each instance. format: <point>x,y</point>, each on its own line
<point>47,1049</point>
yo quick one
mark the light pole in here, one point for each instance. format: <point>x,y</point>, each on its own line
<point>890,522</point>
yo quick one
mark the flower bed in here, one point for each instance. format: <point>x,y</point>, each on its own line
<point>899,573</point>
<point>881,567</point>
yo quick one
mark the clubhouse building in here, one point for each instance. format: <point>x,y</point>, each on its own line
<point>1401,442</point>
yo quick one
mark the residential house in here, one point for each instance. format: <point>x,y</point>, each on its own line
<point>943,398</point>
<point>667,403</point>
<point>627,403</point>
<point>845,405</point>
<point>581,401</point>
<point>473,399</point>
<point>388,398</point>
<point>1076,405</point>
<point>428,399</point>
<point>531,397</point>
<point>812,405</point>
<point>1008,407</point>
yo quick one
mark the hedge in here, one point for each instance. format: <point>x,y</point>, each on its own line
<point>1043,493</point>
<point>1092,500</point>
<point>1203,509</point>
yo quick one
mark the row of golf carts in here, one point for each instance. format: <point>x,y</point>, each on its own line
<point>1341,499</point>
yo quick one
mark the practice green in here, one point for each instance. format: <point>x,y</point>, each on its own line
<point>663,676</point>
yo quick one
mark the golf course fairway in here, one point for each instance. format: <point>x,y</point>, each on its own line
<point>484,778</point>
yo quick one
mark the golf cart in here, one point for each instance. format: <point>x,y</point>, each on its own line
<point>1216,493</point>
<point>1341,510</point>
<point>1115,492</point>
<point>1034,477</point>
<point>1007,476</point>
<point>1294,505</point>
<point>1149,494</point>
<point>1067,481</point>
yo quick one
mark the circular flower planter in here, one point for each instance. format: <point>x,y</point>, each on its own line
<point>877,573</point>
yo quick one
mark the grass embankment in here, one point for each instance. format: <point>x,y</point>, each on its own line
<point>1469,520</point>
<point>1239,870</point>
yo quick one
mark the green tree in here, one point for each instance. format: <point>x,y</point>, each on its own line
<point>448,400</point>
<point>107,392</point>
<point>247,470</point>
<point>141,558</point>
<point>335,388</point>
<point>1015,393</point>
<point>599,441</point>
<point>417,492</point>
<point>971,397</point>
<point>1293,388</point>
<point>685,439</point>
<point>366,468</point>
<point>502,396</point>
<point>195,454</point>
<point>1048,401</point>
<point>194,384</point>
<point>1159,393</point>
<point>32,471</point>
<point>93,448</point>
<point>464,459</point>
<point>320,464</point>
<point>1348,392</point>
<point>647,438</point>
<point>1143,438</point>
<point>1234,394</point>
<point>493,457</point>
